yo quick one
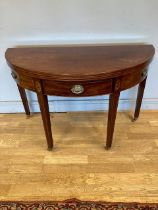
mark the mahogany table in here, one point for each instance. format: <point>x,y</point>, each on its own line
<point>78,71</point>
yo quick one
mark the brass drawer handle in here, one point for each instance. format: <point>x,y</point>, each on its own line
<point>14,75</point>
<point>144,73</point>
<point>77,89</point>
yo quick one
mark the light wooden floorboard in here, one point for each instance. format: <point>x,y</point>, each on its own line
<point>79,166</point>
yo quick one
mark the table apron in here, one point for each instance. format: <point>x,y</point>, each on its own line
<point>80,88</point>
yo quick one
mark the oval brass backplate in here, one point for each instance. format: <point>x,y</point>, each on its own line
<point>77,89</point>
<point>14,75</point>
<point>144,73</point>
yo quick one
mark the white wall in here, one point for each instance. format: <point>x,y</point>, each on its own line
<point>36,22</point>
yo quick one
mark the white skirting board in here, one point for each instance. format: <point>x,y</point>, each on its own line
<point>77,105</point>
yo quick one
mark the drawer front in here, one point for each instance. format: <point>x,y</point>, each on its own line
<point>133,79</point>
<point>77,89</point>
<point>23,81</point>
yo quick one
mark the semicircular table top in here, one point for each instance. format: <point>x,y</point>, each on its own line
<point>79,62</point>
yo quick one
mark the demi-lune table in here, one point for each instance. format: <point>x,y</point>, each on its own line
<point>79,71</point>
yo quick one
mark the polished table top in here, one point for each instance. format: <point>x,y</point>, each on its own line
<point>80,71</point>
<point>79,62</point>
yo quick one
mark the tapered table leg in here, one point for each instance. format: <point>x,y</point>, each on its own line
<point>139,99</point>
<point>113,103</point>
<point>24,100</point>
<point>44,107</point>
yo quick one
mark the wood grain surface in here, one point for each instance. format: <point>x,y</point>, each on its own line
<point>79,166</point>
<point>82,63</point>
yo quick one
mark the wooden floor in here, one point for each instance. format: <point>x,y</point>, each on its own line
<point>79,166</point>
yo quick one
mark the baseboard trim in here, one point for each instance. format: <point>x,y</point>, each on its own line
<point>77,105</point>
